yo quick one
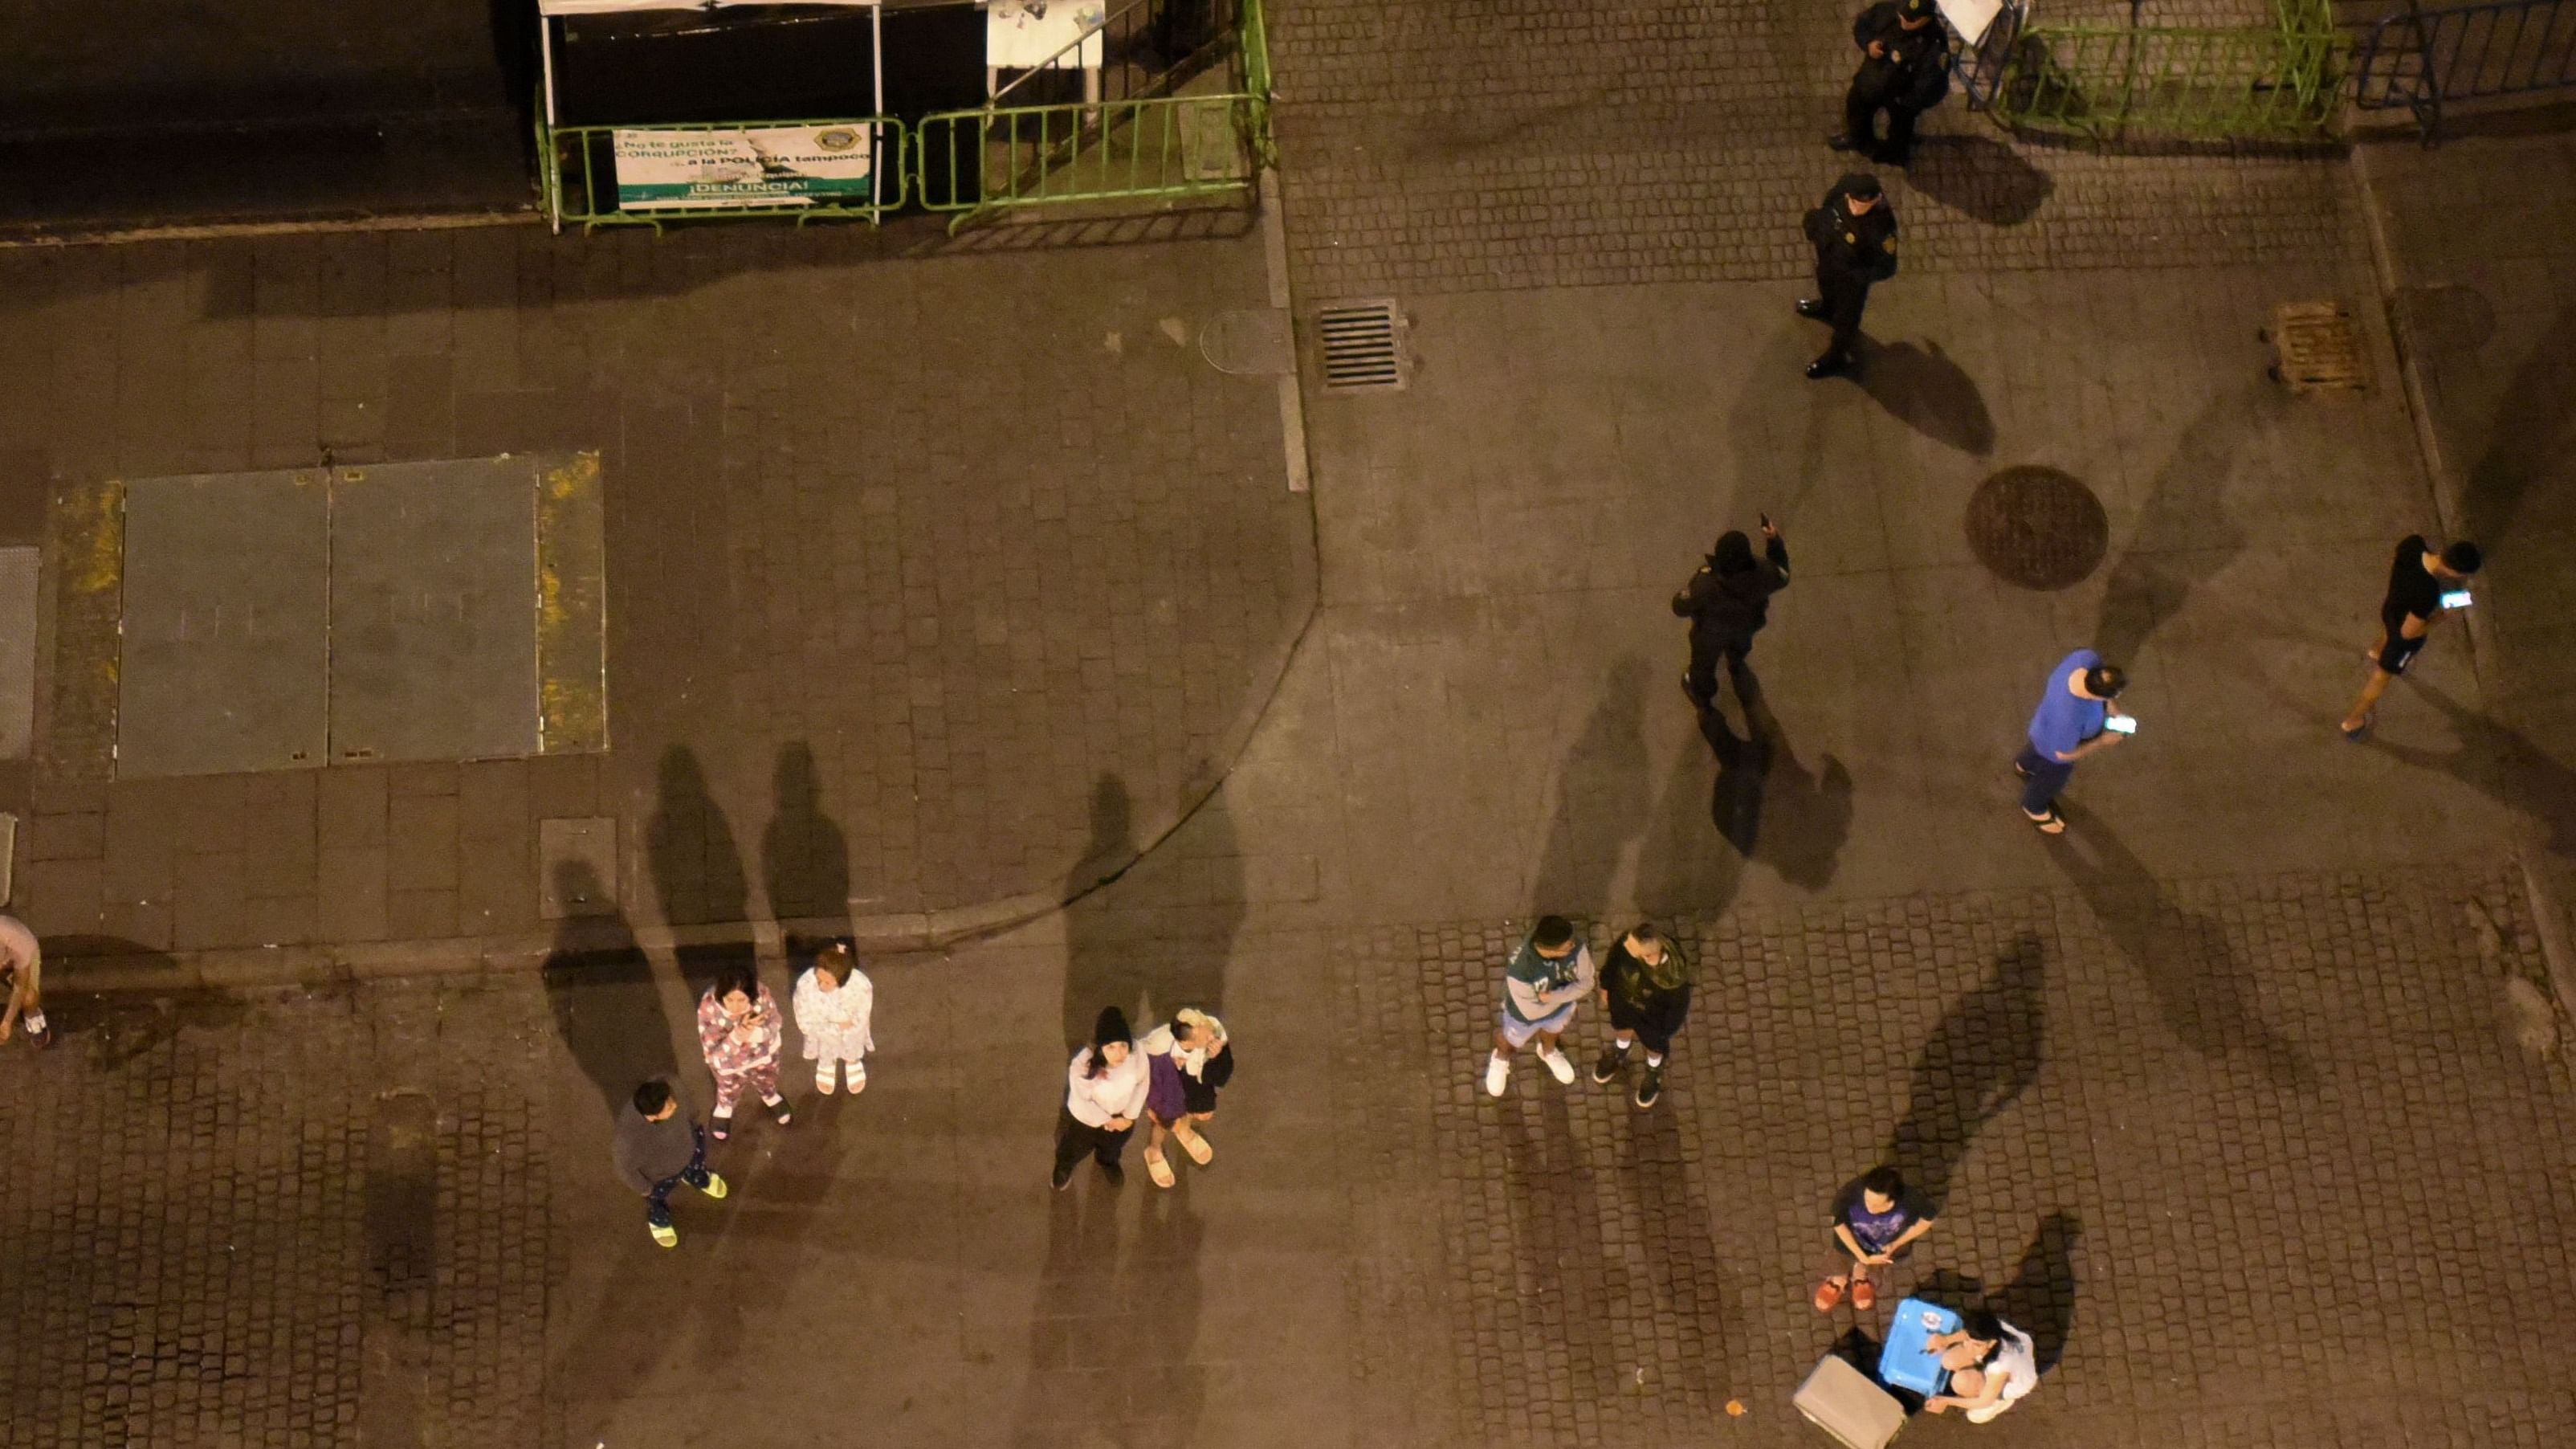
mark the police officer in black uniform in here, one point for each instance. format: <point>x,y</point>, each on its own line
<point>1855,237</point>
<point>1904,71</point>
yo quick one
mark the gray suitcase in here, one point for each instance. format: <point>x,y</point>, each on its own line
<point>1849,1404</point>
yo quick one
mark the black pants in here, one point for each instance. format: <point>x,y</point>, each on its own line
<point>1076,1138</point>
<point>1706,649</point>
<point>1845,297</point>
<point>1869,94</point>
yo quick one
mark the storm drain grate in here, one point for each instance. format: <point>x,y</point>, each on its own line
<point>1363,346</point>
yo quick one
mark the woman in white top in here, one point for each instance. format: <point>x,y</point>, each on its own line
<point>833,1003</point>
<point>1992,1366</point>
<point>1104,1091</point>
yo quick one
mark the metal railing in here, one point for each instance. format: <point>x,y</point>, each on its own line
<point>2177,83</point>
<point>577,175</point>
<point>2419,59</point>
<point>1137,141</point>
<point>1169,148</point>
<point>1144,48</point>
<point>1979,68</point>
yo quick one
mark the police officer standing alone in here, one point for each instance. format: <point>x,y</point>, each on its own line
<point>1904,71</point>
<point>1855,237</point>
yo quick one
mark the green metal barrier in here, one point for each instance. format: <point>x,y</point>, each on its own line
<point>1161,148</point>
<point>2261,83</point>
<point>577,173</point>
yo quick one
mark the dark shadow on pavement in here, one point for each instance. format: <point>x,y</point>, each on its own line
<point>120,1027</point>
<point>1984,1052</point>
<point>1683,1290</point>
<point>2200,983</point>
<point>1922,388</point>
<point>2040,1300</point>
<point>1598,786</point>
<point>2501,762</point>
<point>2530,436</point>
<point>1075,1389</point>
<point>804,856</point>
<point>1688,867</point>
<point>607,1007</point>
<point>1769,805</point>
<point>697,869</point>
<point>2184,536</point>
<point>1979,177</point>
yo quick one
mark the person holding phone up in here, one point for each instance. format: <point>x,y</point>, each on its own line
<point>2075,718</point>
<point>2422,586</point>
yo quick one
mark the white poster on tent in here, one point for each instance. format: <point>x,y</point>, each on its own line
<point>754,166</point>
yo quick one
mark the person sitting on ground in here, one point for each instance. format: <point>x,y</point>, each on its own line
<point>1992,1365</point>
<point>1876,1221</point>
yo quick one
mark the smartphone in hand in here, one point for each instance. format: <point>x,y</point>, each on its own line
<point>2121,724</point>
<point>2456,599</point>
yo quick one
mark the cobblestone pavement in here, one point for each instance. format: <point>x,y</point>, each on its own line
<point>275,1219</point>
<point>2258,1157</point>
<point>928,578</point>
<point>2252,1157</point>
<point>1639,141</point>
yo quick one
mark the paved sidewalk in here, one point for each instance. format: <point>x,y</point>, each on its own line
<point>933,582</point>
<point>2145,1108</point>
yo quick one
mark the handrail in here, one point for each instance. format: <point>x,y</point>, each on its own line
<point>1085,38</point>
<point>2422,59</point>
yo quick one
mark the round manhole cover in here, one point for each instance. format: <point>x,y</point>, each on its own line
<point>2037,527</point>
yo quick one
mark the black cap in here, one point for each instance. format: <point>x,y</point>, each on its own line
<point>1860,184</point>
<point>1110,1026</point>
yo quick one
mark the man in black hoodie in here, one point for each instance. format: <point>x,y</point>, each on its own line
<point>1727,602</point>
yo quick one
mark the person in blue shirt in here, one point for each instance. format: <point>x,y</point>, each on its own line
<point>2072,721</point>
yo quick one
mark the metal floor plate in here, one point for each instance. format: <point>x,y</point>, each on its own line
<point>17,652</point>
<point>226,596</point>
<point>434,610</point>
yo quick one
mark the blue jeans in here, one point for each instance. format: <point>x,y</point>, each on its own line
<point>2047,777</point>
<point>657,1203</point>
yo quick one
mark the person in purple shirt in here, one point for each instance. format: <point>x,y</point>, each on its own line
<point>2073,720</point>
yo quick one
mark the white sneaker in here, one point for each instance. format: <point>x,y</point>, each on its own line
<point>1498,1074</point>
<point>1558,1067</point>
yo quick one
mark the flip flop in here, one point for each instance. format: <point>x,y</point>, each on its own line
<point>2050,824</point>
<point>1198,1148</point>
<point>2361,736</point>
<point>1158,1169</point>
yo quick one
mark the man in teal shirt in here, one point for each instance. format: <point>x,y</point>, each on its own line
<point>1541,984</point>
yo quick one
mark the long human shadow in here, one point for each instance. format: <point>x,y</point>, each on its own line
<point>1070,1393</point>
<point>1979,177</point>
<point>121,1027</point>
<point>697,869</point>
<point>1598,784</point>
<point>1685,1294</point>
<point>1983,1053</point>
<point>2200,983</point>
<point>804,855</point>
<point>2184,535</point>
<point>1686,866</point>
<point>599,985</point>
<point>2040,1299</point>
<point>2502,763</point>
<point>1920,386</point>
<point>1561,1317</point>
<point>1767,803</point>
<point>2529,437</point>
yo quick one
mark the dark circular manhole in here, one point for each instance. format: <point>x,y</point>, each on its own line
<point>2037,527</point>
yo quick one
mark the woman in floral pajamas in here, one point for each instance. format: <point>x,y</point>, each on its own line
<point>741,1029</point>
<point>833,1003</point>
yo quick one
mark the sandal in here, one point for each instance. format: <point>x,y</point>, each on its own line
<point>2360,736</point>
<point>1157,1168</point>
<point>1828,1293</point>
<point>2051,823</point>
<point>1199,1149</point>
<point>1864,1296</point>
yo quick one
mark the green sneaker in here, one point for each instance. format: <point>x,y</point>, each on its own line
<point>715,1186</point>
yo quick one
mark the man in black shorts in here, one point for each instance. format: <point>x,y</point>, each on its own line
<point>2421,584</point>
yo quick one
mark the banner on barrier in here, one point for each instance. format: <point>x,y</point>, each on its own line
<point>755,166</point>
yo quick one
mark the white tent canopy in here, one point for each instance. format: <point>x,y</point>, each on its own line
<point>610,7</point>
